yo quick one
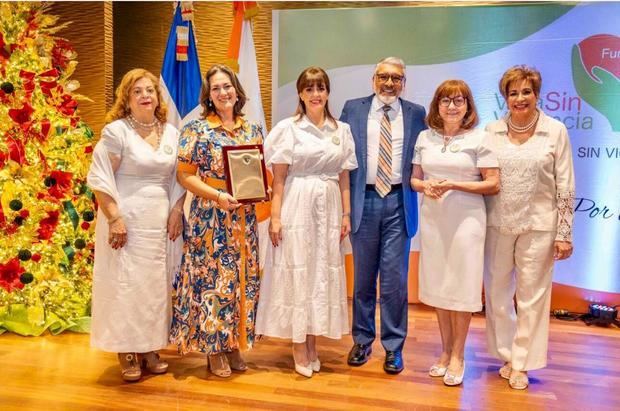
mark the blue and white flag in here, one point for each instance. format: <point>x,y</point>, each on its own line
<point>180,73</point>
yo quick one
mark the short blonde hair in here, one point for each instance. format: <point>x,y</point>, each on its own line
<point>519,73</point>
<point>120,108</point>
<point>451,88</point>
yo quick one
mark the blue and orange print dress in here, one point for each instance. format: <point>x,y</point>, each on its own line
<point>215,293</point>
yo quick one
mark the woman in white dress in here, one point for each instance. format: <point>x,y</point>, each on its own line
<point>133,176</point>
<point>454,169</point>
<point>529,226</point>
<point>303,293</point>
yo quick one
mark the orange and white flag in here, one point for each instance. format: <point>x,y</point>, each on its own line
<point>242,58</point>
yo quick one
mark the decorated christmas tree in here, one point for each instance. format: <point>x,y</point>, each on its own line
<point>46,209</point>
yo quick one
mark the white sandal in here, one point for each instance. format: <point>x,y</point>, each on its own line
<point>437,371</point>
<point>519,381</point>
<point>452,380</point>
<point>505,371</point>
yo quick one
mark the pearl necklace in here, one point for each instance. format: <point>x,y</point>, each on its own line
<point>146,126</point>
<point>523,129</point>
<point>135,124</point>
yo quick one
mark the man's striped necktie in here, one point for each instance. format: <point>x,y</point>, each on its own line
<point>383,184</point>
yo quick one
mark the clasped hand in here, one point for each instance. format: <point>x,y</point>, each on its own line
<point>436,188</point>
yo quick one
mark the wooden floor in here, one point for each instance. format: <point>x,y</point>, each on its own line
<point>64,373</point>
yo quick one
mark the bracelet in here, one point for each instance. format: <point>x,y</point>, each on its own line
<point>112,220</point>
<point>346,214</point>
<point>174,210</point>
<point>217,199</point>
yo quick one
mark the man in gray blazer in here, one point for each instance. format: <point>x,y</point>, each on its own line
<point>383,210</point>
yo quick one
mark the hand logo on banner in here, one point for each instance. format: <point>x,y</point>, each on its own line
<point>596,74</point>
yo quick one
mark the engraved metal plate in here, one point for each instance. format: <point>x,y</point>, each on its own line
<point>246,175</point>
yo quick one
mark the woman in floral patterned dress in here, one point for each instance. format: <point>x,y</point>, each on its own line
<point>215,292</point>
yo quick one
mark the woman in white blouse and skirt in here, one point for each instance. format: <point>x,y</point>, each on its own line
<point>529,225</point>
<point>303,293</point>
<point>454,168</point>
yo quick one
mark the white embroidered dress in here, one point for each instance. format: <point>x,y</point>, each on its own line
<point>453,227</point>
<point>304,290</point>
<point>131,304</point>
<point>537,180</point>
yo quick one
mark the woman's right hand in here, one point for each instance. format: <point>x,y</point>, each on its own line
<point>430,190</point>
<point>275,231</point>
<point>227,202</point>
<point>117,235</point>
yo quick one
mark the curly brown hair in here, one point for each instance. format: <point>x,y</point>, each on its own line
<point>205,91</point>
<point>452,88</point>
<point>120,108</point>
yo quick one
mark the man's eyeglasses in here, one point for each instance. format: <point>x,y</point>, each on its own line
<point>383,78</point>
<point>458,101</point>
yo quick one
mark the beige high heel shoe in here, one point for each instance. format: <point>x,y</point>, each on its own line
<point>130,366</point>
<point>151,362</point>
<point>305,370</point>
<point>236,361</point>
<point>315,364</point>
<point>218,364</point>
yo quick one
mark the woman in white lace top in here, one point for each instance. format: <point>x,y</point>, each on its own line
<point>529,225</point>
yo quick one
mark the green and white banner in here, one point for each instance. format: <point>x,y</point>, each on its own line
<point>576,47</point>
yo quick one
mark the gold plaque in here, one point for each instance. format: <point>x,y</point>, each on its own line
<point>246,175</point>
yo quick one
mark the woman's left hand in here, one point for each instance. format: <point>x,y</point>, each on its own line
<point>443,186</point>
<point>175,224</point>
<point>345,229</point>
<point>562,250</point>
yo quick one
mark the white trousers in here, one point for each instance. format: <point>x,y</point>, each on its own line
<point>522,266</point>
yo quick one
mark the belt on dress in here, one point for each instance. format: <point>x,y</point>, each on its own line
<point>371,187</point>
<point>216,183</point>
<point>220,184</point>
<point>324,177</point>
